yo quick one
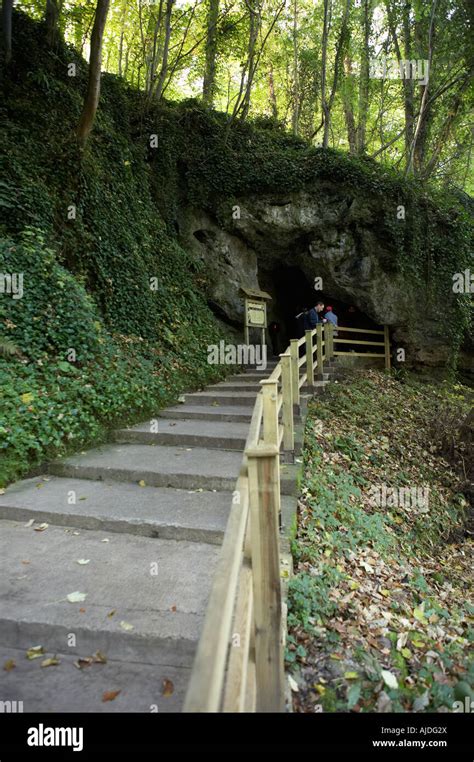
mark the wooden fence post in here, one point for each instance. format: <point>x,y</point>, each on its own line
<point>263,463</point>
<point>295,372</point>
<point>328,340</point>
<point>386,338</point>
<point>319,350</point>
<point>287,410</point>
<point>270,411</point>
<point>309,358</point>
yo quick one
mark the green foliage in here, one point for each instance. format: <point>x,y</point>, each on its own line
<point>354,555</point>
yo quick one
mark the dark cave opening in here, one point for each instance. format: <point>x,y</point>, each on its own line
<point>292,292</point>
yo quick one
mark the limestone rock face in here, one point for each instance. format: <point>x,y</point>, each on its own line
<point>332,233</point>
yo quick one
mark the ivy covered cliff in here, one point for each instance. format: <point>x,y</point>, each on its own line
<point>132,252</point>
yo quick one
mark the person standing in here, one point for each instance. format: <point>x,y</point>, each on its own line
<point>331,317</point>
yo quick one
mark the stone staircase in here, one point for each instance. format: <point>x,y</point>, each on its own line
<point>147,513</point>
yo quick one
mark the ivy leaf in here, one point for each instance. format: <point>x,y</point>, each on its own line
<point>389,679</point>
<point>353,695</point>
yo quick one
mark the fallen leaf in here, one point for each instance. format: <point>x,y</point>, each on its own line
<point>76,597</point>
<point>126,626</point>
<point>293,684</point>
<point>52,662</point>
<point>110,695</point>
<point>30,523</point>
<point>34,652</point>
<point>86,661</point>
<point>421,702</point>
<point>384,703</point>
<point>41,527</point>
<point>83,561</point>
<point>111,613</point>
<point>168,687</point>
<point>389,679</point>
<point>142,483</point>
<point>351,675</point>
<point>9,665</point>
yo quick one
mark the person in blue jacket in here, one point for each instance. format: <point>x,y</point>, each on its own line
<point>331,317</point>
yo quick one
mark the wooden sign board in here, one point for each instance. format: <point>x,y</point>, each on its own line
<point>256,314</point>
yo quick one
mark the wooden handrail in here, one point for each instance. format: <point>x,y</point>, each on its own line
<point>358,330</point>
<point>353,341</point>
<point>245,597</point>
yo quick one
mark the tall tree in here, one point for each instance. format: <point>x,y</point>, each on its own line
<point>166,46</point>
<point>366,12</point>
<point>328,103</point>
<point>209,83</point>
<point>91,99</point>
<point>296,89</point>
<point>7,8</point>
<point>417,148</point>
<point>52,21</point>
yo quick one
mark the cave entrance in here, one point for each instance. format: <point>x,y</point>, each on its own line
<point>293,292</point>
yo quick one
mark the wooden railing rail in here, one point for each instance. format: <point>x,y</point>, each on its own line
<point>238,665</point>
<point>385,343</point>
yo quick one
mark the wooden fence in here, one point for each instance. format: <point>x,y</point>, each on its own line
<point>385,343</point>
<point>239,661</point>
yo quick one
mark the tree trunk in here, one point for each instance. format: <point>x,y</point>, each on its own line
<point>406,83</point>
<point>409,91</point>
<point>416,154</point>
<point>271,93</point>
<point>337,65</point>
<point>122,37</point>
<point>166,46</point>
<point>348,106</point>
<point>7,8</point>
<point>91,99</point>
<point>52,22</point>
<point>209,84</point>
<point>324,58</point>
<point>296,85</point>
<point>254,28</point>
<point>364,79</point>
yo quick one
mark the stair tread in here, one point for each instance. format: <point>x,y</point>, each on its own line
<point>33,596</point>
<point>119,507</point>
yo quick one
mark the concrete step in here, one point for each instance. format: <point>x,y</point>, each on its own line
<point>235,386</point>
<point>245,399</point>
<point>156,465</point>
<point>169,514</point>
<point>160,466</point>
<point>64,688</point>
<point>165,609</point>
<point>190,433</point>
<point>230,413</point>
<point>248,377</point>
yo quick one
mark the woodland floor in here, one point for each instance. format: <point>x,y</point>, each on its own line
<point>380,609</point>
